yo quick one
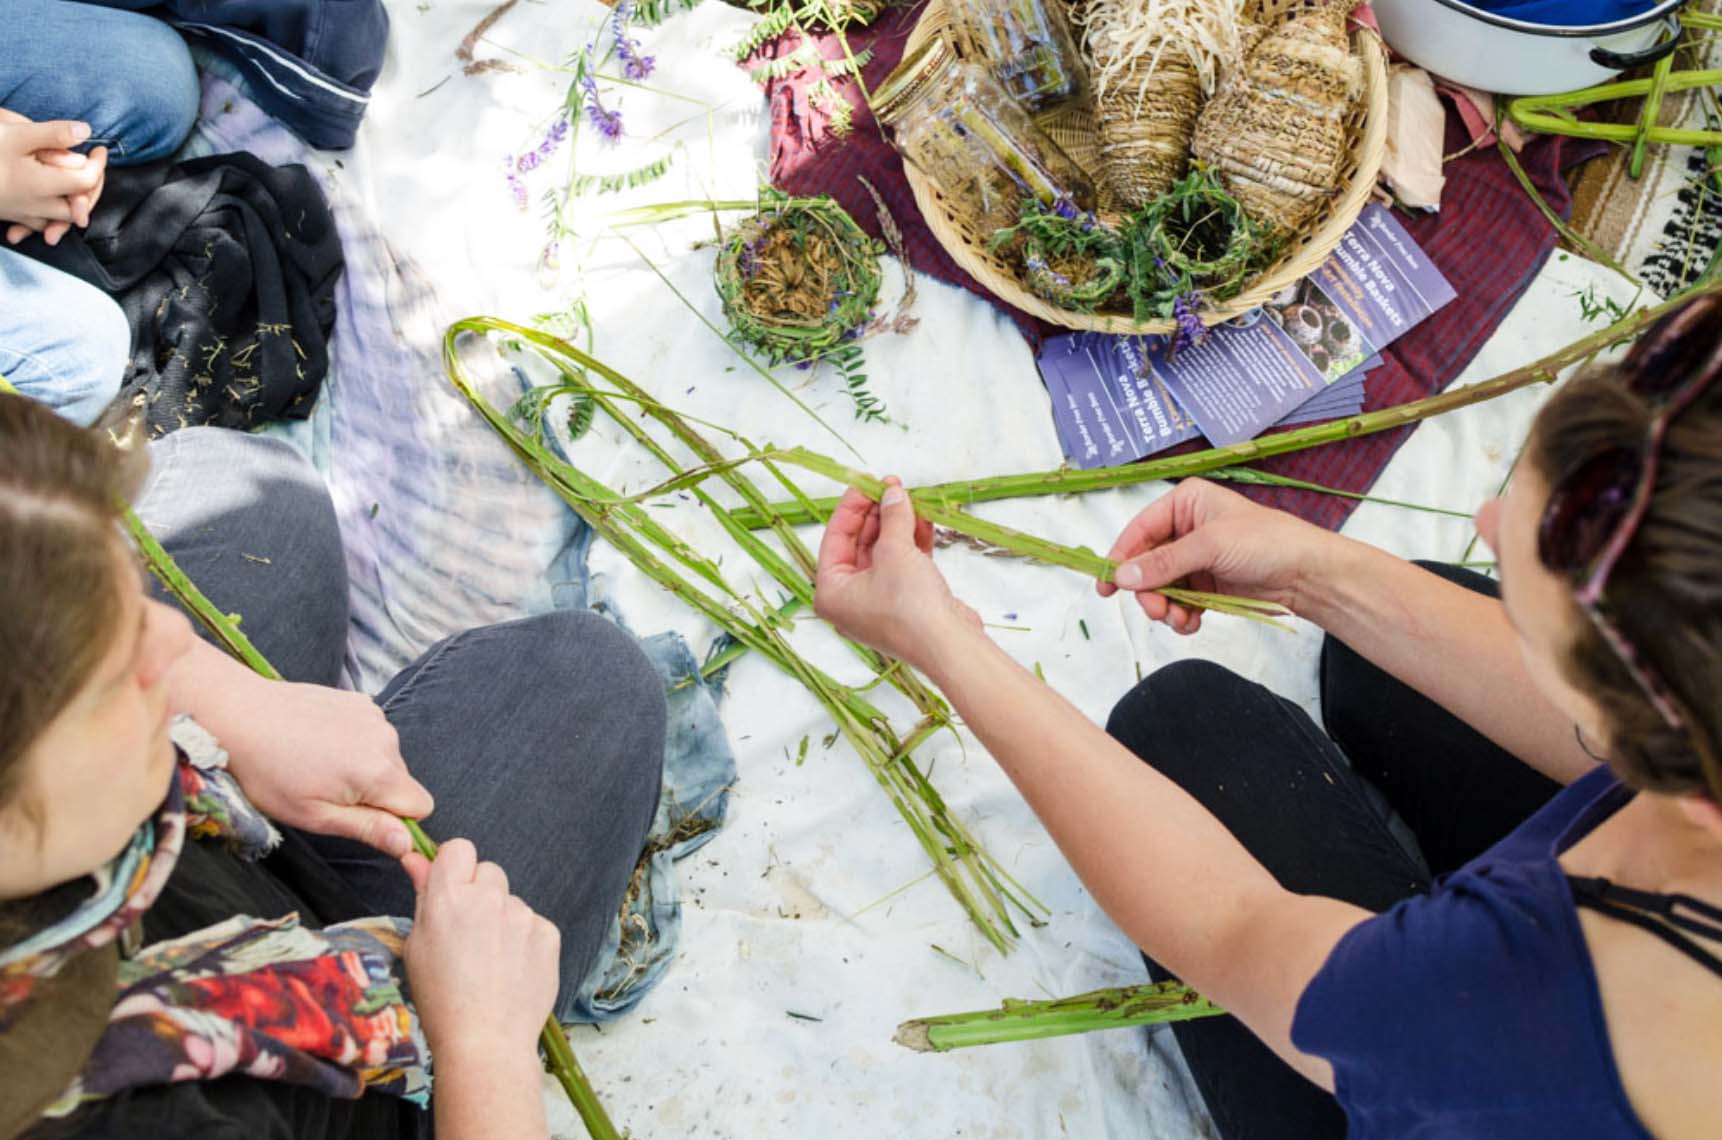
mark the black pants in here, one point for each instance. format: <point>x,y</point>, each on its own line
<point>1311,806</point>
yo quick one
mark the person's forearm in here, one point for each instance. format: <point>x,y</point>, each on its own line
<point>484,1096</point>
<point>211,688</point>
<point>1453,645</point>
<point>1168,873</point>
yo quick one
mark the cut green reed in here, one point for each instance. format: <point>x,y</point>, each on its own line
<point>1157,1004</point>
<point>1066,481</point>
<point>576,368</point>
<point>980,884</point>
<point>558,1054</point>
<point>1254,477</point>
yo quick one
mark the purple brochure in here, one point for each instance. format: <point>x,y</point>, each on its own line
<point>1246,376</point>
<point>1107,406</point>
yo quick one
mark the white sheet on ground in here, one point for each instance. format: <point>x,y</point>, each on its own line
<point>779,914</point>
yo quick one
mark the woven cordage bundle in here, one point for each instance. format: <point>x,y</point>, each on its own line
<point>1153,62</point>
<point>1276,130</point>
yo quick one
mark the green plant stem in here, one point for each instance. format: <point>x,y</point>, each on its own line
<point>736,650</point>
<point>1549,113</point>
<point>972,876</point>
<point>1065,481</point>
<point>558,1054</point>
<point>576,368</point>
<point>1078,558</point>
<point>1577,240</point>
<point>1649,114</point>
<point>658,212</point>
<point>1252,476</point>
<point>1156,1004</point>
<point>223,627</point>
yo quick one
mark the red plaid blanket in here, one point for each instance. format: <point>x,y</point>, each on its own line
<point>1489,240</point>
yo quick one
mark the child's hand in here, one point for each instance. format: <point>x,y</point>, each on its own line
<point>46,186</point>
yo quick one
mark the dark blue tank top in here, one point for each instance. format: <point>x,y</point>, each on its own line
<point>1472,1012</point>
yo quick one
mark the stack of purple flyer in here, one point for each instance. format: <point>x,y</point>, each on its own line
<point>1302,357</point>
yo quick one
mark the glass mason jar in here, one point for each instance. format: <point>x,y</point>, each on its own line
<point>1028,46</point>
<point>979,146</point>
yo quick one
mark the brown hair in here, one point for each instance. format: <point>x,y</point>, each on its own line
<point>61,492</point>
<point>1665,593</point>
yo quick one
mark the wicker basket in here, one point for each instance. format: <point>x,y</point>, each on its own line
<point>1073,129</point>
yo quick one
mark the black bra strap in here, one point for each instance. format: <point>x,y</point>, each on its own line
<point>1659,914</point>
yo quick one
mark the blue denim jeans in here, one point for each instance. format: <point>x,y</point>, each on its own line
<point>127,75</point>
<point>63,342</point>
<point>131,78</point>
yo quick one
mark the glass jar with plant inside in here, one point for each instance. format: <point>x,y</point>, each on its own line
<point>976,144</point>
<point>1028,46</point>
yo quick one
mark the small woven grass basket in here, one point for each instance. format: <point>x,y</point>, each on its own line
<point>1073,129</point>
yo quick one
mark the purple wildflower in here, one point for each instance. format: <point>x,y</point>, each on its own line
<point>748,261</point>
<point>1065,209</point>
<point>516,188</point>
<point>607,122</point>
<point>1037,265</point>
<point>635,65</point>
<point>553,136</point>
<point>1191,330</point>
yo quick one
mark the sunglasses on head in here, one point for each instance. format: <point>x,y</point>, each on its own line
<point>1594,512</point>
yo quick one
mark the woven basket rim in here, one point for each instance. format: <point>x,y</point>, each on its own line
<point>1319,238</point>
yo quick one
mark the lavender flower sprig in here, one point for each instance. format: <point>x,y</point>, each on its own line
<point>635,65</point>
<point>1191,330</point>
<point>606,122</point>
<point>547,146</point>
<point>516,188</point>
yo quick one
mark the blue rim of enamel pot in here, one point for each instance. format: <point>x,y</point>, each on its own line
<point>1631,23</point>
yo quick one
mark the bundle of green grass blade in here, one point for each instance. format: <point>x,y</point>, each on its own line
<point>1071,259</point>
<point>1190,245</point>
<point>1195,238</point>
<point>797,279</point>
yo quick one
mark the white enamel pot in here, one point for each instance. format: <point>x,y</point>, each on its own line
<point>1514,57</point>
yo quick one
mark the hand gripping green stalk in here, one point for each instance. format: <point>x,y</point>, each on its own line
<point>1078,558</point>
<point>559,1056</point>
<point>1156,1004</point>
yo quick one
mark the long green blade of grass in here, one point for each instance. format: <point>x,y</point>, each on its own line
<point>1157,1004</point>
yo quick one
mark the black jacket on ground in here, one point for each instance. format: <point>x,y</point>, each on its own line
<point>226,268</point>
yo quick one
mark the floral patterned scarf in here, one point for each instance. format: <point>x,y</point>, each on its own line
<point>269,999</point>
